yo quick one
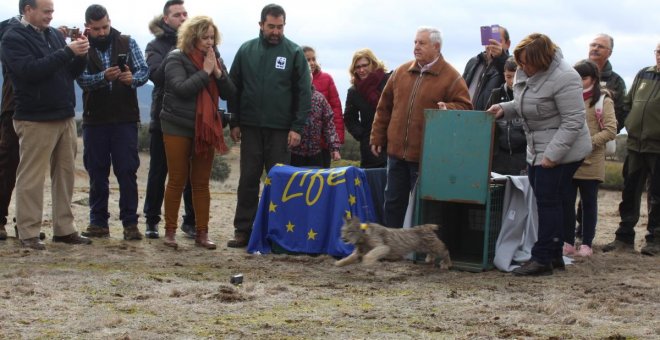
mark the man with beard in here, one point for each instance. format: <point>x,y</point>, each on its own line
<point>164,28</point>
<point>272,104</point>
<point>111,117</point>
<point>42,68</point>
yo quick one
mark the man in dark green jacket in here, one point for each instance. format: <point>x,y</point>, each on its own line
<point>272,104</point>
<point>643,159</point>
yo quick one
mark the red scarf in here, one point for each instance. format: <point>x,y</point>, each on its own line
<point>208,124</point>
<point>368,87</point>
<point>587,94</point>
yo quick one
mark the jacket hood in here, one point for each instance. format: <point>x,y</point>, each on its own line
<point>9,23</point>
<point>160,29</point>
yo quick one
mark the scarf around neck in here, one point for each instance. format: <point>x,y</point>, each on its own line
<point>208,124</point>
<point>368,87</point>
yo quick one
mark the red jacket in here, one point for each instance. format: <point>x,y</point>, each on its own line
<point>399,120</point>
<point>324,83</point>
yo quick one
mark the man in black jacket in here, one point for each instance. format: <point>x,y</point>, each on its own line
<point>42,68</point>
<point>164,28</point>
<point>485,71</point>
<point>8,138</point>
<point>600,50</point>
<point>115,69</point>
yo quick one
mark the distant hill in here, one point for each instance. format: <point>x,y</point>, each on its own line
<point>144,101</point>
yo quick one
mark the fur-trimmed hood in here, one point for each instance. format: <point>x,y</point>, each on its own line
<point>158,28</point>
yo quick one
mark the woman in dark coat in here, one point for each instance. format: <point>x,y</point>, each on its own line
<point>368,76</point>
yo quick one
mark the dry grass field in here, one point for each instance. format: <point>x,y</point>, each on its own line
<point>116,289</point>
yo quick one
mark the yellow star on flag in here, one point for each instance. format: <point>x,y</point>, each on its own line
<point>311,235</point>
<point>267,181</point>
<point>351,199</point>
<point>272,207</point>
<point>348,214</point>
<point>357,182</point>
<point>289,227</point>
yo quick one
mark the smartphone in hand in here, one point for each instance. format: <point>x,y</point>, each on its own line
<point>121,61</point>
<point>490,32</point>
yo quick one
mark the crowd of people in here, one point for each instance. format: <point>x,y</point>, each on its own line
<point>553,121</point>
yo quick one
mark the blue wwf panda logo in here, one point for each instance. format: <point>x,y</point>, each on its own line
<point>280,63</point>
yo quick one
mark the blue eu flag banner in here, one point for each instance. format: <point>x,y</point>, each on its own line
<point>302,210</point>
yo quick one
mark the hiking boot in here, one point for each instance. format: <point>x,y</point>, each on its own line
<point>34,243</point>
<point>96,231</point>
<point>3,232</point>
<point>584,251</point>
<point>240,240</point>
<point>618,245</point>
<point>651,249</point>
<point>533,268</point>
<point>131,233</point>
<point>72,238</point>
<point>152,231</point>
<point>189,230</point>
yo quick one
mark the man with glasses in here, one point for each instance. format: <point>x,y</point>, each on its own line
<point>642,161</point>
<point>600,50</point>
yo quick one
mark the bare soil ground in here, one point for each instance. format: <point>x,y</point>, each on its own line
<point>116,289</point>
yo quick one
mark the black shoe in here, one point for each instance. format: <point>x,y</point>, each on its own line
<point>558,263</point>
<point>189,230</point>
<point>72,238</point>
<point>152,231</point>
<point>651,249</point>
<point>533,268</point>
<point>3,232</point>
<point>34,243</point>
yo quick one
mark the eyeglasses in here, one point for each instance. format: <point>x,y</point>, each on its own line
<point>657,52</point>
<point>361,66</point>
<point>599,46</point>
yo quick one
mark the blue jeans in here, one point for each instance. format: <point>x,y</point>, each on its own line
<point>401,178</point>
<point>116,145</point>
<point>153,200</point>
<point>588,211</point>
<point>554,204</point>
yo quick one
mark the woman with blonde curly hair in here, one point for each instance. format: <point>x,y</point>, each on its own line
<point>192,128</point>
<point>368,76</point>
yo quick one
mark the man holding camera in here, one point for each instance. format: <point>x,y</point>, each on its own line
<point>111,117</point>
<point>42,68</point>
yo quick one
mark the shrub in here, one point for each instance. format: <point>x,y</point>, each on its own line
<point>351,148</point>
<point>220,169</point>
<point>144,138</point>
<point>613,178</point>
<point>79,127</point>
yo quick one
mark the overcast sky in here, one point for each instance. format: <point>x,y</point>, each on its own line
<point>337,28</point>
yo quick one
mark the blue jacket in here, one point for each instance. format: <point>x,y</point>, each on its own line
<point>42,71</point>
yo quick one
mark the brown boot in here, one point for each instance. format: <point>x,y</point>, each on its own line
<point>240,240</point>
<point>169,238</point>
<point>202,240</point>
